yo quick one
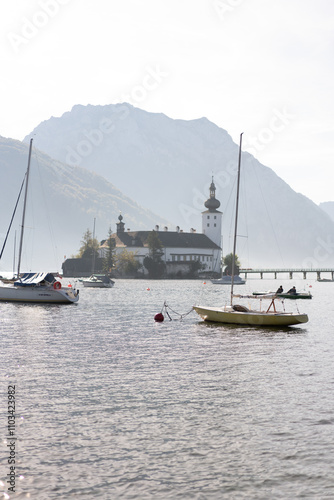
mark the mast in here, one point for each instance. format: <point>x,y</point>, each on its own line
<point>236,219</point>
<point>24,211</point>
<point>93,260</point>
<point>14,254</point>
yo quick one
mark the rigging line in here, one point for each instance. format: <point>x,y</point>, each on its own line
<point>11,222</point>
<point>267,211</point>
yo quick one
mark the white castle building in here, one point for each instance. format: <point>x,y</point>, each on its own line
<point>179,248</point>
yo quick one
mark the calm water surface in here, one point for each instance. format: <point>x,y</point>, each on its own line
<point>112,405</point>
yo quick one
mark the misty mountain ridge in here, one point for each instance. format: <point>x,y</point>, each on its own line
<point>63,201</point>
<point>328,207</point>
<point>166,165</point>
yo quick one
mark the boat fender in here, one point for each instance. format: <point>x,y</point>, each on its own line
<point>159,317</point>
<point>57,285</point>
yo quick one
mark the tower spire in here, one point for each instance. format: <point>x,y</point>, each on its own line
<point>212,203</point>
<point>120,225</point>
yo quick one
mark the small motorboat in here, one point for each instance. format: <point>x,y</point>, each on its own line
<point>98,281</point>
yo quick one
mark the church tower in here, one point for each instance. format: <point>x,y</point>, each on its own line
<point>212,218</point>
<point>120,225</point>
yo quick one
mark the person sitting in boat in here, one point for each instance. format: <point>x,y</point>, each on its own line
<point>279,289</point>
<point>292,291</point>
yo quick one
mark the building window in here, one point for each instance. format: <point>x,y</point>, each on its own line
<point>208,225</point>
<point>215,217</point>
<point>208,216</point>
<point>215,225</point>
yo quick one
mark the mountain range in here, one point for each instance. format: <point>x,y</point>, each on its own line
<point>166,166</point>
<point>94,162</point>
<point>63,201</point>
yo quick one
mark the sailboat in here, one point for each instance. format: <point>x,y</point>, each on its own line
<point>35,287</point>
<point>239,314</point>
<point>97,280</point>
<point>227,280</point>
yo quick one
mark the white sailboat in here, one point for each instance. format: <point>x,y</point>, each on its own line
<point>97,280</point>
<point>227,280</point>
<point>35,287</point>
<point>239,314</point>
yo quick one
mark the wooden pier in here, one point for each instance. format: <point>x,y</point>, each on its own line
<point>289,272</point>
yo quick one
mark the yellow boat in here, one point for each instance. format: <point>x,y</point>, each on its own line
<point>248,317</point>
<point>240,315</point>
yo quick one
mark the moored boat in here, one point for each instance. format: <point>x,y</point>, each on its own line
<point>38,287</point>
<point>293,296</point>
<point>239,314</point>
<point>98,281</point>
<point>227,280</point>
<point>35,287</point>
<point>244,316</point>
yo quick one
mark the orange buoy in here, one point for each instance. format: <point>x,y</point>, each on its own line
<point>57,285</point>
<point>159,317</point>
<point>148,289</point>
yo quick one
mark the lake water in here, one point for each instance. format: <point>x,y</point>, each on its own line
<point>112,405</point>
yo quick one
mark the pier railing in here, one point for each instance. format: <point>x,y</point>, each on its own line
<point>289,271</point>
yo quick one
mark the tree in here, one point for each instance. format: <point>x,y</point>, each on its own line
<point>89,246</point>
<point>194,267</point>
<point>227,261</point>
<point>153,262</point>
<point>108,261</point>
<point>126,263</point>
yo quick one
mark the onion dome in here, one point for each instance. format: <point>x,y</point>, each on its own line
<point>120,225</point>
<point>212,204</point>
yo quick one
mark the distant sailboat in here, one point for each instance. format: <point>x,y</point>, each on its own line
<point>227,280</point>
<point>35,287</point>
<point>97,280</point>
<point>239,314</point>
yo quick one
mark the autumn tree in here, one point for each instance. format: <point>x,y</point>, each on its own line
<point>126,263</point>
<point>89,247</point>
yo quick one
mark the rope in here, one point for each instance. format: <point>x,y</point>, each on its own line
<point>181,316</point>
<point>11,222</point>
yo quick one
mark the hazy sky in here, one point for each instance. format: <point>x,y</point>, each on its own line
<point>261,67</point>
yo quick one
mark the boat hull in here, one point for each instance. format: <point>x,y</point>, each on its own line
<point>295,296</point>
<point>98,281</point>
<point>227,280</point>
<point>220,282</point>
<point>251,318</point>
<point>95,284</point>
<point>38,294</point>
